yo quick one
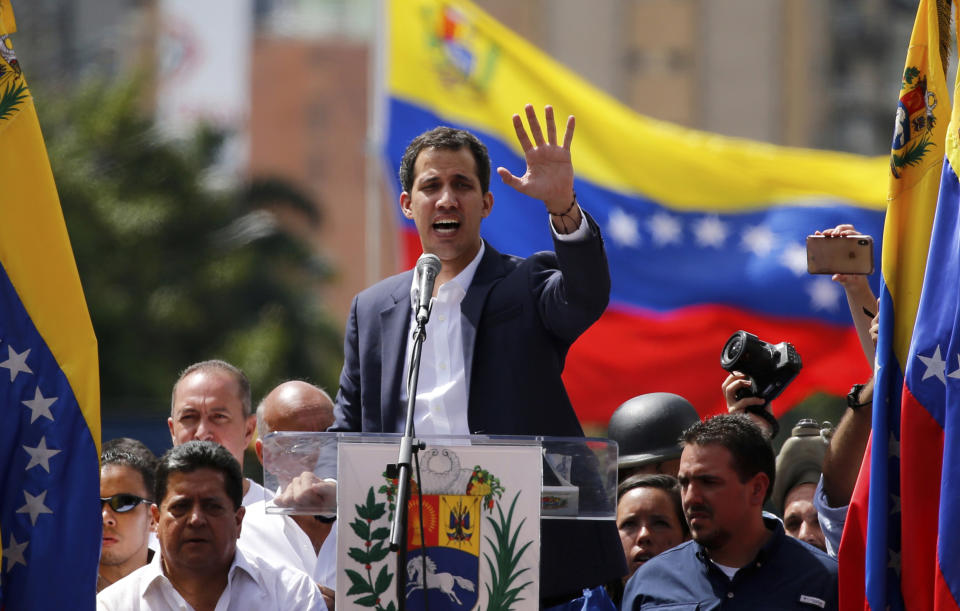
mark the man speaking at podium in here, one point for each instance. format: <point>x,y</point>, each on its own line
<point>500,327</point>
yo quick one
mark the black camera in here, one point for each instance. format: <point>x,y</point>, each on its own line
<point>770,367</point>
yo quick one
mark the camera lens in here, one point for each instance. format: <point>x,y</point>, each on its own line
<point>862,242</point>
<point>733,350</point>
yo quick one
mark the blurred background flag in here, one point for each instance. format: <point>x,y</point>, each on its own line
<point>892,555</point>
<point>50,526</point>
<point>705,234</point>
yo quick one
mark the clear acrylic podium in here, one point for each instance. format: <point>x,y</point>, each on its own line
<point>473,519</point>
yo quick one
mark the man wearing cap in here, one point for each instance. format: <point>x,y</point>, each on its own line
<point>799,464</point>
<point>647,429</point>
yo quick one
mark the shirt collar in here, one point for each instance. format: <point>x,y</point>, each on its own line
<point>155,572</point>
<point>461,280</point>
<point>769,548</point>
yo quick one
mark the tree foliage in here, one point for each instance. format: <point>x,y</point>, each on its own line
<point>174,269</point>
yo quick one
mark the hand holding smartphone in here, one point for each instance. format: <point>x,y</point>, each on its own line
<point>849,254</point>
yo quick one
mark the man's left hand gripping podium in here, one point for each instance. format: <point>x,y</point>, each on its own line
<point>472,538</point>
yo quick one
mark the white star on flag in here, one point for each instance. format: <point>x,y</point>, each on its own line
<point>824,294</point>
<point>34,506</point>
<point>16,362</point>
<point>14,553</point>
<point>623,228</point>
<point>956,372</point>
<point>665,229</point>
<point>794,257</point>
<point>936,366</point>
<point>40,455</point>
<point>710,231</point>
<point>759,240</point>
<point>40,406</point>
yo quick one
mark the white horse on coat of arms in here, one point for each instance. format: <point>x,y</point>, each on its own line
<point>444,582</point>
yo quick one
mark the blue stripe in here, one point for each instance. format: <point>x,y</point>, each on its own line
<point>63,548</point>
<point>936,326</point>
<point>883,530</point>
<point>663,278</point>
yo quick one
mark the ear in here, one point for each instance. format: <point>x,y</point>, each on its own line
<point>758,488</point>
<point>170,426</point>
<point>487,204</point>
<point>258,448</point>
<point>239,518</point>
<point>154,514</point>
<point>249,427</point>
<point>406,205</point>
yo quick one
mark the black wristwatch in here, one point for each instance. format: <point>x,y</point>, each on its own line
<point>853,398</point>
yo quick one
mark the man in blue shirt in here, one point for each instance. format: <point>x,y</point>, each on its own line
<point>737,559</point>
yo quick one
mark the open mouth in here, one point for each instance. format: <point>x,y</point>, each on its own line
<point>446,226</point>
<point>641,558</point>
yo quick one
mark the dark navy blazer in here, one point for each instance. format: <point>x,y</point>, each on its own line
<point>519,318</point>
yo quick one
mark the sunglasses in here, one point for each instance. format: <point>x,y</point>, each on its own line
<point>122,503</point>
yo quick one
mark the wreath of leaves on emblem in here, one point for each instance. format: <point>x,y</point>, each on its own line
<point>913,155</point>
<point>12,97</point>
<point>374,550</point>
<point>501,592</point>
<point>909,74</point>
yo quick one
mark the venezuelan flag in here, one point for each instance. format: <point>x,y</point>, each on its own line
<point>705,234</point>
<point>897,550</point>
<point>50,516</point>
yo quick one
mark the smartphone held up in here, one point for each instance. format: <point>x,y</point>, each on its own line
<point>850,254</point>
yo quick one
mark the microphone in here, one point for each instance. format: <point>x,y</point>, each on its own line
<point>428,266</point>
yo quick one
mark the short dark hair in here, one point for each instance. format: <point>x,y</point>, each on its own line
<point>448,139</point>
<point>126,452</point>
<point>216,364</point>
<point>667,483</point>
<point>193,455</point>
<point>750,449</point>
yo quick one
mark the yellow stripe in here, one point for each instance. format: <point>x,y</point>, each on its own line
<point>35,252</point>
<point>913,196</point>
<point>613,147</point>
<point>7,22</point>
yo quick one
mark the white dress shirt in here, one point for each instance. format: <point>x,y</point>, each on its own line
<point>279,540</point>
<point>255,494</point>
<point>443,386</point>
<point>252,583</point>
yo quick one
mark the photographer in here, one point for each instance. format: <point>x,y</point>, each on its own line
<point>844,454</point>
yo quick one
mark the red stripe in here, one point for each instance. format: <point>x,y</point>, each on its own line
<point>853,545</point>
<point>943,599</point>
<point>630,353</point>
<point>921,461</point>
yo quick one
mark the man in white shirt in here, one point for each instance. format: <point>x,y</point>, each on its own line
<point>308,542</point>
<point>198,516</point>
<point>500,328</point>
<point>211,402</point>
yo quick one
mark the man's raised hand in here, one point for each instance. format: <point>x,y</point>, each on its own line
<point>549,174</point>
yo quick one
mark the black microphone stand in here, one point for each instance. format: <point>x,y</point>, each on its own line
<point>408,447</point>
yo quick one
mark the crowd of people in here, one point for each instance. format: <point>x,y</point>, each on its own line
<point>188,531</point>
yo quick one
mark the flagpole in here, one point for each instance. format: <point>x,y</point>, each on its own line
<point>373,223</point>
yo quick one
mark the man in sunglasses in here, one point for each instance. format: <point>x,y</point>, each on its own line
<point>126,481</point>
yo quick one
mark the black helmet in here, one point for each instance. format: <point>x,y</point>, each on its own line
<point>648,427</point>
<point>800,460</point>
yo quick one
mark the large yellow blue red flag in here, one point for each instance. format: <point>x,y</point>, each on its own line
<point>50,516</point>
<point>898,549</point>
<point>705,234</point>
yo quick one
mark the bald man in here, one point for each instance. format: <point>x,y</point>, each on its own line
<point>308,542</point>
